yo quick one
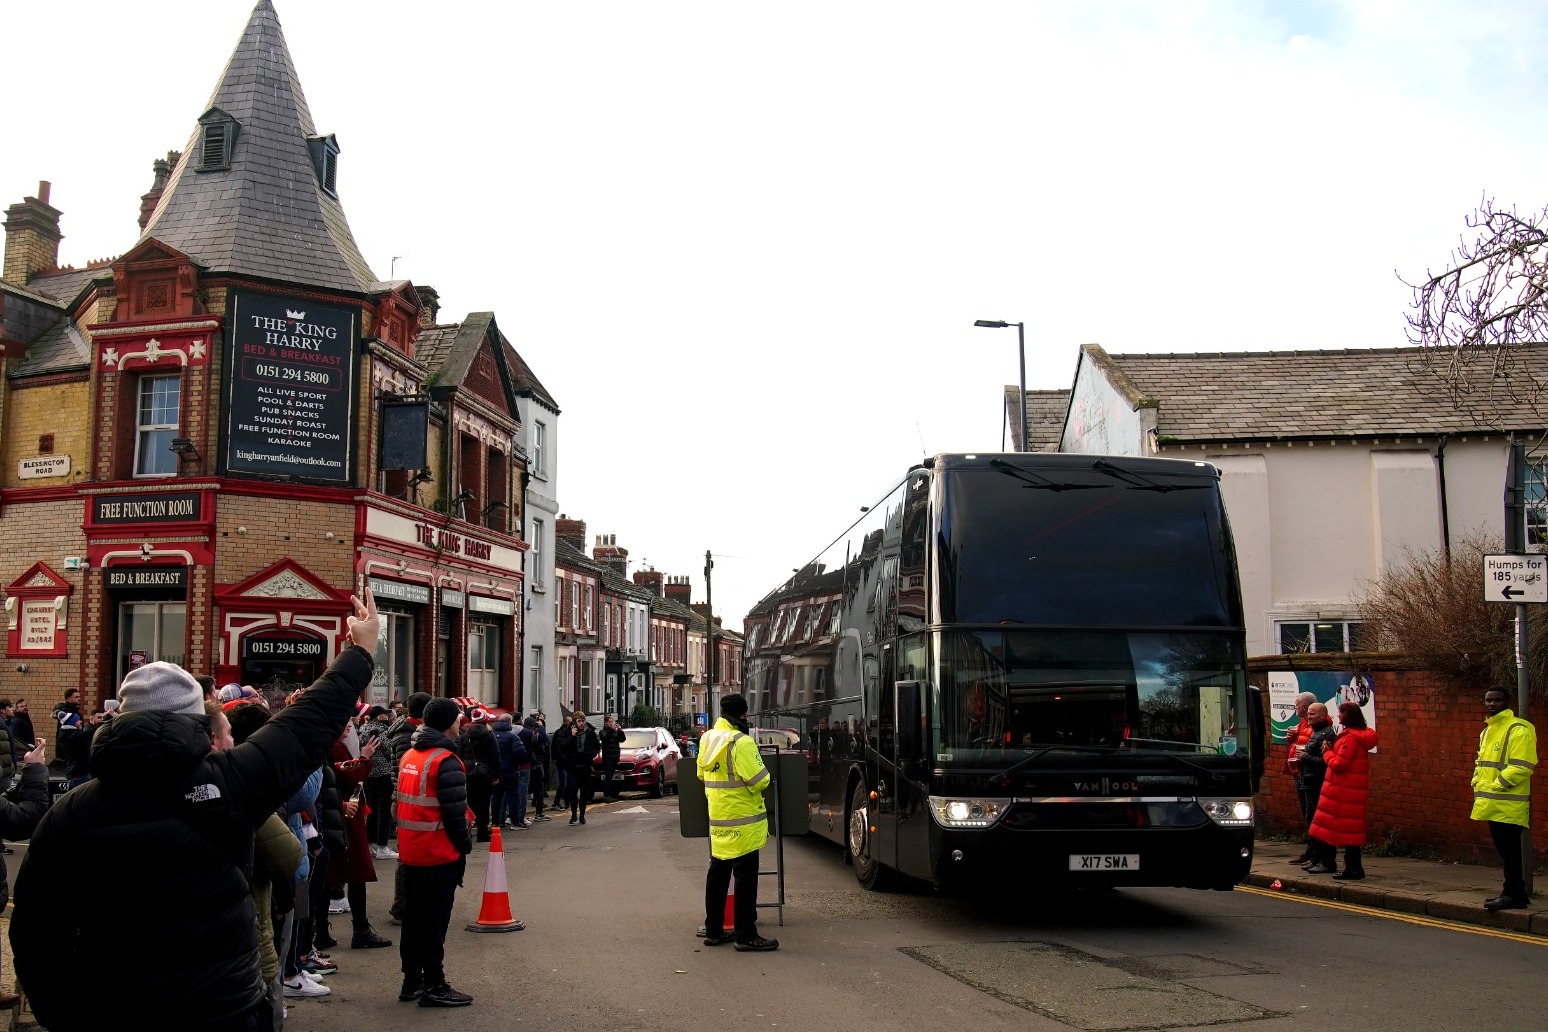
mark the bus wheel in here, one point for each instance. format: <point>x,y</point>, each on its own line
<point>868,871</point>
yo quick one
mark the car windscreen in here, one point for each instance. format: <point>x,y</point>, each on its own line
<point>639,740</point>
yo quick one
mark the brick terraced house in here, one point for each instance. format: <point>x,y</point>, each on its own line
<point>212,440</point>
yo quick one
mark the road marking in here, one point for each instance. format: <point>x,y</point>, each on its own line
<point>1418,919</point>
<point>633,809</point>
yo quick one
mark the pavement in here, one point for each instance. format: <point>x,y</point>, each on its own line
<point>1434,888</point>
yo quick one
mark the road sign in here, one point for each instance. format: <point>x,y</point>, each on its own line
<point>1515,578</point>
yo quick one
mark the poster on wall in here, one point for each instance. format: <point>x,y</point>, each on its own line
<point>290,375</point>
<point>1333,688</point>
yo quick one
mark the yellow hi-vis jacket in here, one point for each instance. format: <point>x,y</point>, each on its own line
<point>734,779</point>
<point>1502,779</point>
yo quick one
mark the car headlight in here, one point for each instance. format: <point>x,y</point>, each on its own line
<point>952,812</point>
<point>1228,813</point>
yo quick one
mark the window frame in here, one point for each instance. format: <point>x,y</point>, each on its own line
<point>142,430</point>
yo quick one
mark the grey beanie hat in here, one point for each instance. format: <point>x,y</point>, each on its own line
<point>161,687</point>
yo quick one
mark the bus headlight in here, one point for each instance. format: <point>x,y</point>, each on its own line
<point>966,813</point>
<point>1228,813</point>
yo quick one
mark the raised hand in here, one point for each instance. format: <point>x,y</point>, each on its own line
<point>365,626</point>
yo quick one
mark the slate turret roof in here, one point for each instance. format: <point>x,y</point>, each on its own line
<point>266,215</point>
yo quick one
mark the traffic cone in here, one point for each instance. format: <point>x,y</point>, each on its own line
<point>729,921</point>
<point>494,915</point>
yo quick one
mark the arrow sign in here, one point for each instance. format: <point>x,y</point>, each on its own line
<point>1515,578</point>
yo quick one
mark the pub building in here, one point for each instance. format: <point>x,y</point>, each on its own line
<point>211,441</point>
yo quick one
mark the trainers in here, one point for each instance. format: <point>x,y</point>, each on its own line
<point>573,822</point>
<point>411,991</point>
<point>444,995</point>
<point>719,940</point>
<point>338,906</point>
<point>583,818</point>
<point>758,945</point>
<point>301,987</point>
<point>384,853</point>
<point>317,966</point>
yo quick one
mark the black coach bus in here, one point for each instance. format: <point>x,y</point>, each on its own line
<point>1027,665</point>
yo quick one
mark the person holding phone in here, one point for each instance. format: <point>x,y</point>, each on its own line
<point>190,813</point>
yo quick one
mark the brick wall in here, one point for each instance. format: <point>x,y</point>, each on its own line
<point>1421,773</point>
<point>34,413</point>
<point>51,530</point>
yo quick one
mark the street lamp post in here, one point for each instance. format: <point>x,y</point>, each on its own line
<point>1021,349</point>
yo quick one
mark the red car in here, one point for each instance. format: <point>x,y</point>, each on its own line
<point>647,761</point>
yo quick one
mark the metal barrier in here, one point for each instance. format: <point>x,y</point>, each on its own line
<point>784,798</point>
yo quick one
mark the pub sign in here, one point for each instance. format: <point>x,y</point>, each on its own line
<point>290,394</point>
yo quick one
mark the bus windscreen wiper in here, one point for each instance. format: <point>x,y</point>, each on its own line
<point>1037,753</point>
<point>1138,480</point>
<point>1038,481</point>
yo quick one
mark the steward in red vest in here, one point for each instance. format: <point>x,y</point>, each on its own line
<point>433,844</point>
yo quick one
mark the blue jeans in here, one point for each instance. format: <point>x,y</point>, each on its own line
<point>523,786</point>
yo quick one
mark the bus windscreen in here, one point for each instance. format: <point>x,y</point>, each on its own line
<point>1082,547</point>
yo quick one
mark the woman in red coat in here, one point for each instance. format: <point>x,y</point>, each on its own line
<point>1340,819</point>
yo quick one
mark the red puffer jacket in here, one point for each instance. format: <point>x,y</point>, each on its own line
<point>1300,736</point>
<point>1340,819</point>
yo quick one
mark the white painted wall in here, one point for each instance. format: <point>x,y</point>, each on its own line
<point>1315,526</point>
<point>542,503</point>
<point>1101,421</point>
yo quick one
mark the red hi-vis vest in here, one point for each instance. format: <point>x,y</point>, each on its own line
<point>422,838</point>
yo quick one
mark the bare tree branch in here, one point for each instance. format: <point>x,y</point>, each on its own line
<point>1472,320</point>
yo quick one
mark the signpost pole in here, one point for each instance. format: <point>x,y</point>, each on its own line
<point>1515,543</point>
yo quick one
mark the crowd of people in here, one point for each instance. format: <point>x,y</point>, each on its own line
<point>1330,763</point>
<point>269,816</point>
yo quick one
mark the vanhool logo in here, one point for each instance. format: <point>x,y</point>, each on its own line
<point>292,314</point>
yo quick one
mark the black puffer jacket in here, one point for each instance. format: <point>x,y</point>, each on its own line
<point>171,824</point>
<point>330,815</point>
<point>479,746</point>
<point>399,736</point>
<point>451,788</point>
<point>19,818</point>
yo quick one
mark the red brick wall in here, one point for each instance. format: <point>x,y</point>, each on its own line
<point>1421,773</point>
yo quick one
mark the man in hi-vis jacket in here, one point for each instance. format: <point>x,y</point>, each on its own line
<point>1502,790</point>
<point>734,779</point>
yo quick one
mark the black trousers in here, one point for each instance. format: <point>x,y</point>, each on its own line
<point>355,892</point>
<point>479,788</point>
<point>744,869</point>
<point>1507,842</point>
<point>379,792</point>
<point>580,790</point>
<point>609,790</point>
<point>538,785</point>
<point>428,894</point>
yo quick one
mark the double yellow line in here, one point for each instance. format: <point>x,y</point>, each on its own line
<point>1393,915</point>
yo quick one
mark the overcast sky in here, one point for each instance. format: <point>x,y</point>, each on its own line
<point>744,245</point>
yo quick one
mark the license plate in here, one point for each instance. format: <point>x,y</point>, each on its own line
<point>618,777</point>
<point>1104,861</point>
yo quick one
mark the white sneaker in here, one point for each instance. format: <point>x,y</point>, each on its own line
<point>384,852</point>
<point>302,987</point>
<point>338,906</point>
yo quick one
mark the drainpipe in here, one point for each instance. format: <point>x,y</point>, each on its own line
<point>1440,467</point>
